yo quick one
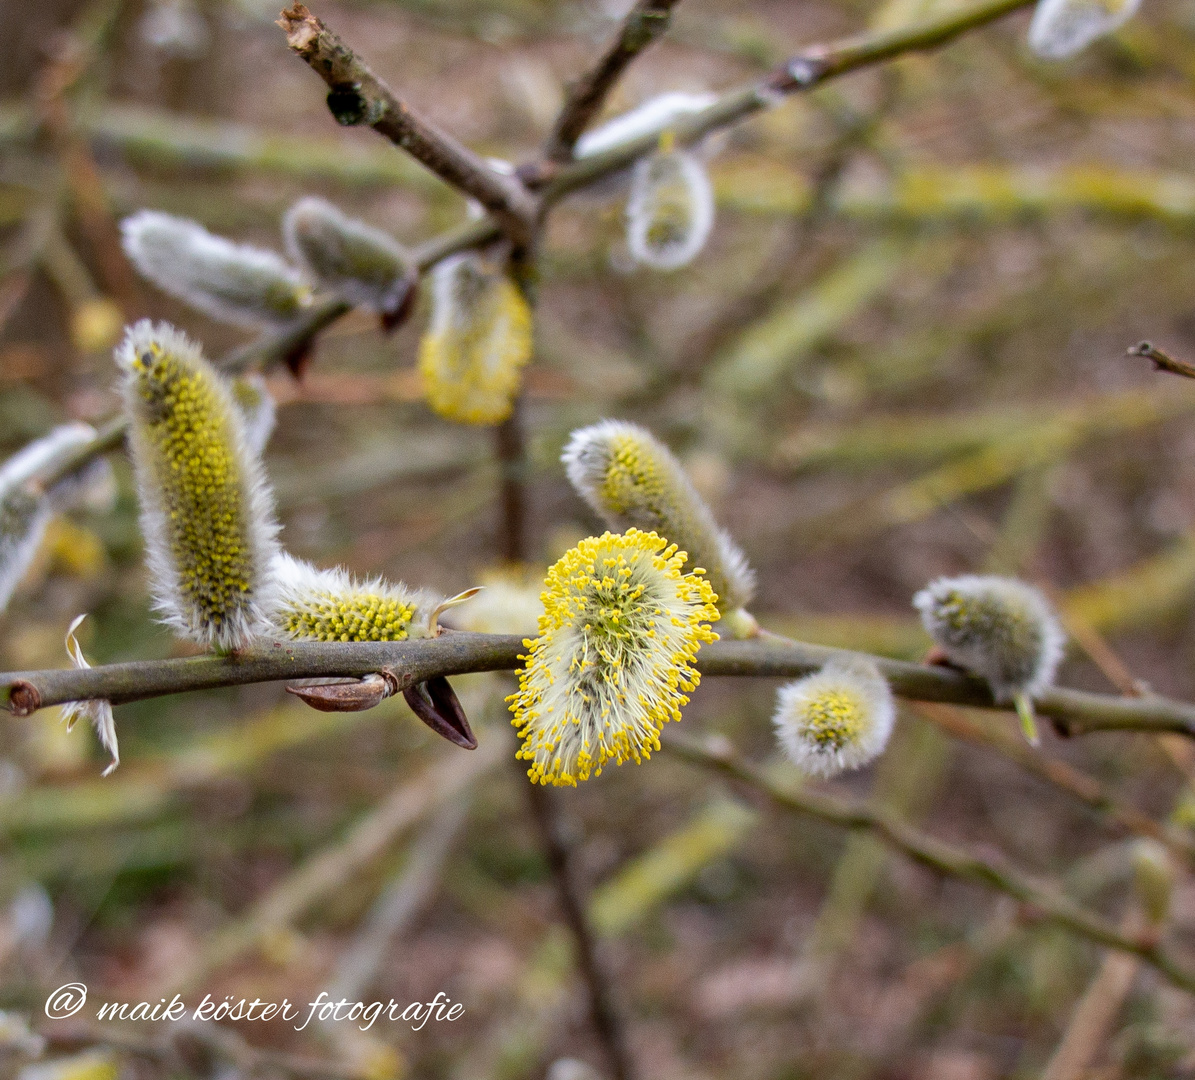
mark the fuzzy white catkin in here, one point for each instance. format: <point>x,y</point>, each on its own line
<point>655,115</point>
<point>207,511</point>
<point>1062,28</point>
<point>25,512</point>
<point>998,628</point>
<point>630,478</point>
<point>368,267</point>
<point>670,210</point>
<point>233,283</point>
<point>838,718</point>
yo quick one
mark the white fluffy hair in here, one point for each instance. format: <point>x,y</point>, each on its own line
<point>671,184</point>
<point>587,458</point>
<point>1011,637</point>
<point>859,680</point>
<point>1062,28</point>
<point>230,282</point>
<point>261,526</point>
<point>655,115</point>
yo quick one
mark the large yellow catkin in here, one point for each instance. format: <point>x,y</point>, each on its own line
<point>206,510</point>
<point>477,343</point>
<point>612,664</point>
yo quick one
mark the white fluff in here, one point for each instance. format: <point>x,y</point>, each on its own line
<point>670,210</point>
<point>1062,28</point>
<point>156,525</point>
<point>655,115</point>
<point>26,509</point>
<point>258,410</point>
<point>233,283</point>
<point>368,267</point>
<point>96,710</point>
<point>821,742</point>
<point>998,628</point>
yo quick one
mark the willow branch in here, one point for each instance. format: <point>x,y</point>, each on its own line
<point>1162,361</point>
<point>818,63</point>
<point>645,22</point>
<point>357,96</point>
<point>1065,777</point>
<point>455,653</point>
<point>1045,900</point>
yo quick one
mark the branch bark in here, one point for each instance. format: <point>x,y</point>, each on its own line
<point>455,653</point>
<point>357,96</point>
<point>1045,901</point>
<point>645,22</point>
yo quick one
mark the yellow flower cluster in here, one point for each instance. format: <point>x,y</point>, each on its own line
<point>330,605</point>
<point>206,513</point>
<point>479,339</point>
<point>622,624</point>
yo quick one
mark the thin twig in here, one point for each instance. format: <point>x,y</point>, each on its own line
<point>1162,361</point>
<point>645,22</point>
<point>1058,773</point>
<point>603,1009</point>
<point>455,653</point>
<point>330,868</point>
<point>1045,901</point>
<point>357,96</point>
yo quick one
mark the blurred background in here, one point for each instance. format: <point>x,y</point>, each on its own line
<point>902,354</point>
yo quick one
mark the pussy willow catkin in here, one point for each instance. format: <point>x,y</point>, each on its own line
<point>206,510</point>
<point>234,283</point>
<point>670,210</point>
<point>621,626</point>
<point>838,718</point>
<point>331,605</point>
<point>26,507</point>
<point>652,117</point>
<point>477,343</point>
<point>1001,629</point>
<point>1061,28</point>
<point>630,478</point>
<point>368,267</point>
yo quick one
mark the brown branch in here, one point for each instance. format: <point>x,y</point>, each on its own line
<point>1045,901</point>
<point>645,22</point>
<point>603,1010</point>
<point>357,96</point>
<point>1162,361</point>
<point>1061,775</point>
<point>23,692</point>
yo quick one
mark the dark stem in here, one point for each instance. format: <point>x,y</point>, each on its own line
<point>510,448</point>
<point>357,96</point>
<point>603,1012</point>
<point>645,22</point>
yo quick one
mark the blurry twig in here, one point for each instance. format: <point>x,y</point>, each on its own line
<point>1058,773</point>
<point>401,901</point>
<point>1162,361</point>
<point>1045,902</point>
<point>603,1009</point>
<point>645,22</point>
<point>336,864</point>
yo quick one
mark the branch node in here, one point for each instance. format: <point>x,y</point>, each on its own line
<point>24,699</point>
